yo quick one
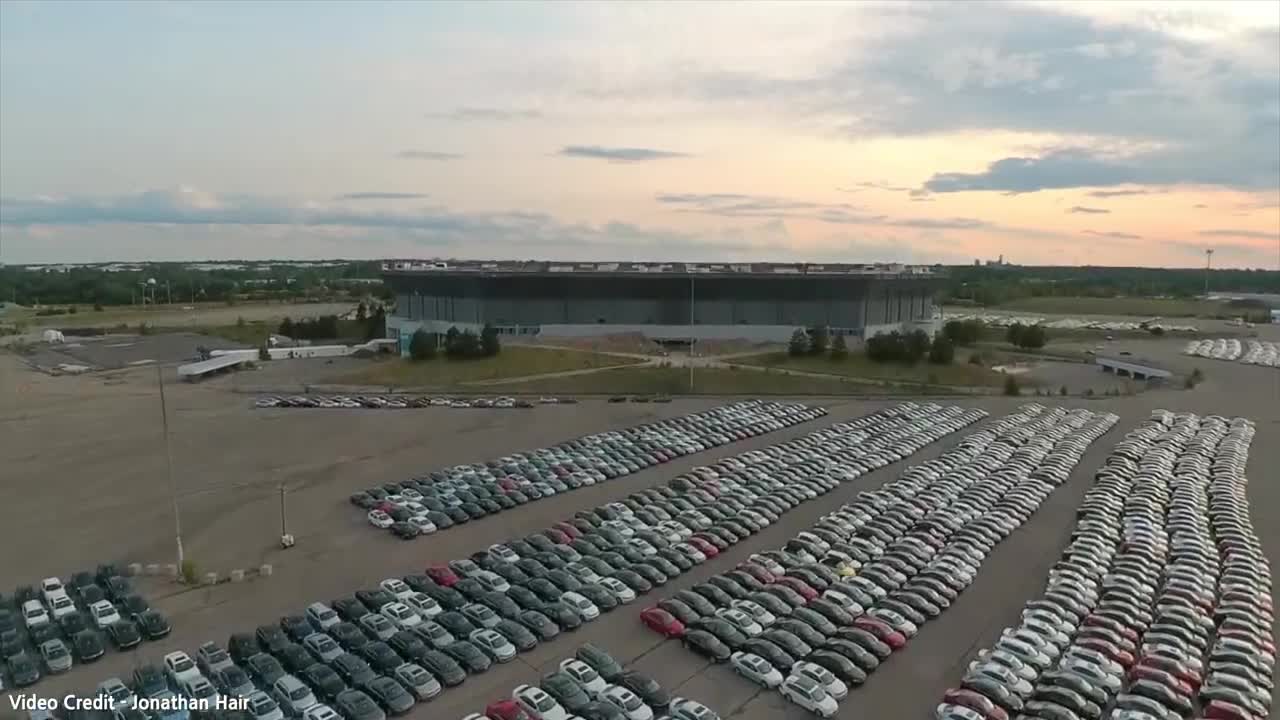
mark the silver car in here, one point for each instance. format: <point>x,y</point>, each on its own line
<point>418,681</point>
<point>56,656</point>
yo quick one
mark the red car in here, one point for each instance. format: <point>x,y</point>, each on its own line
<point>557,536</point>
<point>564,527</point>
<point>1243,634</point>
<point>758,572</point>
<point>800,586</point>
<point>882,631</point>
<point>1173,667</point>
<point>662,622</point>
<point>705,547</point>
<point>442,575</point>
<point>1124,657</point>
<point>1169,680</point>
<point>506,710</point>
<point>1111,624</point>
<point>507,484</point>
<point>1222,710</point>
<point>976,702</point>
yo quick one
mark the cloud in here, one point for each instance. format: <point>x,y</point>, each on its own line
<point>1200,206</point>
<point>1113,235</point>
<point>1057,170</point>
<point>488,114</point>
<point>859,187</point>
<point>619,154</point>
<point>1245,234</point>
<point>1082,210</point>
<point>739,205</point>
<point>427,155</point>
<point>380,196</point>
<point>1119,193</point>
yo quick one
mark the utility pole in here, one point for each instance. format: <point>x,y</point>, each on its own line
<point>173,481</point>
<point>1208,262</point>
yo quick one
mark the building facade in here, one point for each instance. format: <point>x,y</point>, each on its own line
<point>674,301</point>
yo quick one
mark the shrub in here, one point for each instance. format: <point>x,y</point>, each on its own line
<point>189,573</point>
<point>240,321</point>
<point>963,332</point>
<point>799,344</point>
<point>819,340</point>
<point>942,352</point>
<point>97,307</point>
<point>144,329</point>
<point>1156,330</point>
<point>1011,386</point>
<point>263,353</point>
<point>1062,391</point>
<point>73,310</point>
<point>490,345</point>
<point>839,348</point>
<point>422,346</point>
<point>976,359</point>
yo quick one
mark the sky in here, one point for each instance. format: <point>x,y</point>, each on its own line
<point>1126,133</point>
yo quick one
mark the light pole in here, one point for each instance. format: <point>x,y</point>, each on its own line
<point>173,481</point>
<point>691,324</point>
<point>1208,261</point>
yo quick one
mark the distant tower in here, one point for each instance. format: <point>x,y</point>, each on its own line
<point>1000,262</point>
<point>1208,262</point>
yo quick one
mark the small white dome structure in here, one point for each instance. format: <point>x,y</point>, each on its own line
<point>53,336</point>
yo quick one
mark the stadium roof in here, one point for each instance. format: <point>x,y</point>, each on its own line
<point>502,267</point>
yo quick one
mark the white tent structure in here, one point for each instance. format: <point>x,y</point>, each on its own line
<point>53,336</point>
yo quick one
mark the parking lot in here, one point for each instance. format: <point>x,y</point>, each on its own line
<point>89,454</point>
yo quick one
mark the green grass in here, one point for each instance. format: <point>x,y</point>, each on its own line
<point>707,381</point>
<point>857,365</point>
<point>512,362</point>
<point>255,332</point>
<point>1135,306</point>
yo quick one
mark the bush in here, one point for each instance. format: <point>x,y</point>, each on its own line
<point>1028,337</point>
<point>976,359</point>
<point>963,332</point>
<point>73,310</point>
<point>286,327</point>
<point>97,307</point>
<point>490,345</point>
<point>1156,330</point>
<point>942,352</point>
<point>1011,386</point>
<point>799,344</point>
<point>819,340</point>
<point>422,346</point>
<point>263,353</point>
<point>240,321</point>
<point>839,348</point>
<point>1062,391</point>
<point>189,574</point>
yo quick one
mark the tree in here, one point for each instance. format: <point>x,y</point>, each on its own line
<point>942,352</point>
<point>1034,337</point>
<point>376,324</point>
<point>799,344</point>
<point>263,353</point>
<point>1014,334</point>
<point>819,340</point>
<point>917,348</point>
<point>422,346</point>
<point>963,332</point>
<point>1011,385</point>
<point>839,348</point>
<point>286,327</point>
<point>362,313</point>
<point>490,345</point>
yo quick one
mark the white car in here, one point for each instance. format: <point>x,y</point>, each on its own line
<point>492,581</point>
<point>262,707</point>
<point>379,519</point>
<point>809,695</point>
<point>756,611</point>
<point>322,616</point>
<point>423,524</point>
<point>424,605</point>
<point>119,693</point>
<point>321,712</point>
<point>834,686</point>
<point>493,644</point>
<point>756,669</point>
<point>418,681</point>
<point>686,709</point>
<point>948,711</point>
<point>538,703</point>
<point>627,702</point>
<point>104,613</point>
<point>584,675</point>
<point>396,587</point>
<point>51,588</point>
<point>401,615</point>
<point>845,602</point>
<point>378,626</point>
<point>181,668</point>
<point>619,589</point>
<point>696,556</point>
<point>199,689</point>
<point>34,614</point>
<point>584,607</point>
<point>740,620</point>
<point>61,606</point>
<point>503,553</point>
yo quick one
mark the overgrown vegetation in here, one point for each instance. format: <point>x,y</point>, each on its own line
<point>1027,337</point>
<point>964,332</point>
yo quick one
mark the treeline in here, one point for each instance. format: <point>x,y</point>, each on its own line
<point>996,285</point>
<point>330,327</point>
<point>89,286</point>
<point>455,344</point>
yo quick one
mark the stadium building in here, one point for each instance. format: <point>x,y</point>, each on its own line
<point>662,301</point>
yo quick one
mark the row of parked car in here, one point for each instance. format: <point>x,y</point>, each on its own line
<point>1132,607</point>
<point>854,588</point>
<point>425,504</point>
<point>401,402</point>
<point>430,630</point>
<point>1250,352</point>
<point>593,686</point>
<point>45,630</point>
